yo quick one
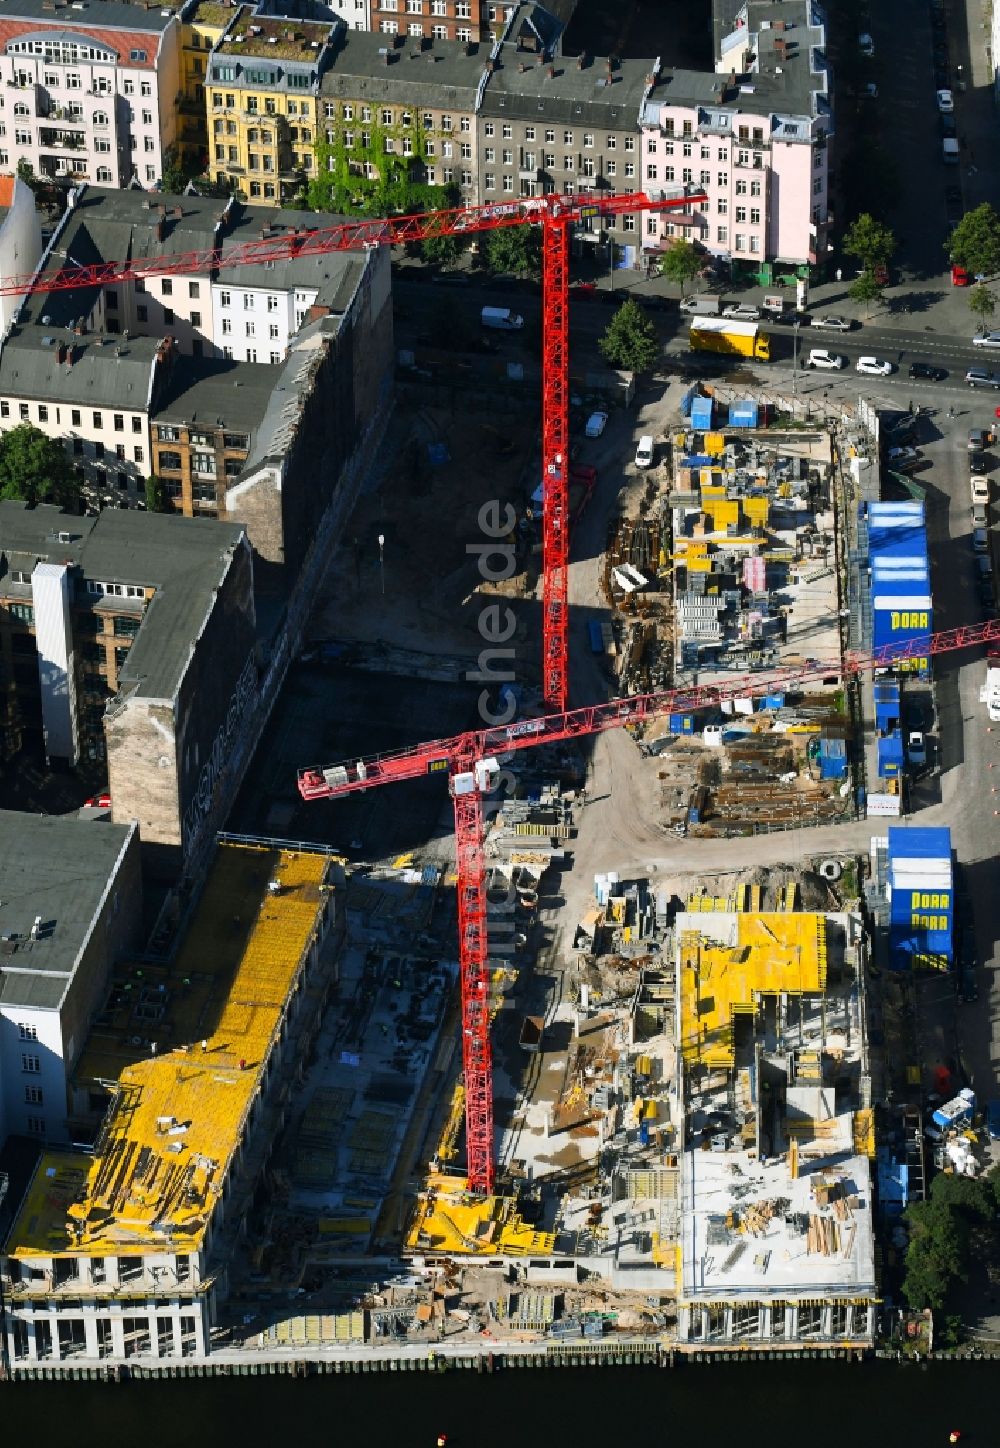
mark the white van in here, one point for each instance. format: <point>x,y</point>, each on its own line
<point>501,319</point>
<point>701,306</point>
<point>949,150</point>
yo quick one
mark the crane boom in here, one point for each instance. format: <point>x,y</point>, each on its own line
<point>344,236</point>
<point>441,755</point>
<point>466,760</point>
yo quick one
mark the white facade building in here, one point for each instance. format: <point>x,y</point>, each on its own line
<point>755,137</point>
<point>89,92</point>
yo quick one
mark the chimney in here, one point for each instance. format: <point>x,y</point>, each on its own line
<point>69,356</point>
<point>581,60</point>
<point>552,72</point>
<point>61,354</point>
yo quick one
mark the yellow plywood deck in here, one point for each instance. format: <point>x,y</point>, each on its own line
<point>177,1115</point>
<point>448,1220</point>
<point>773,954</point>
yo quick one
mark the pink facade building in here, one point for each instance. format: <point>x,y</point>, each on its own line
<point>755,136</point>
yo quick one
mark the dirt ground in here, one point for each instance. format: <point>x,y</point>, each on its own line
<point>421,595</point>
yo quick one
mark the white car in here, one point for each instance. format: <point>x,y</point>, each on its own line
<point>832,324</point>
<point>987,339</point>
<point>872,367</point>
<point>866,45</point>
<point>596,423</point>
<point>980,490</point>
<point>821,358</point>
<point>945,102</point>
<point>644,452</point>
<point>742,312</point>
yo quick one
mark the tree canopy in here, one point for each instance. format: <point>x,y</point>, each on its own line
<point>36,469</point>
<point>515,249</point>
<point>870,240</point>
<point>982,303</point>
<point>956,1222</point>
<point>865,289</point>
<point>630,341</point>
<point>680,262</point>
<point>975,242</point>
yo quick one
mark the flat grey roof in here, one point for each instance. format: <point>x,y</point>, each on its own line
<point>335,275</point>
<point>572,93</point>
<point>184,559</point>
<point>96,14</point>
<point>56,867</point>
<point>442,74</point>
<point>230,394</point>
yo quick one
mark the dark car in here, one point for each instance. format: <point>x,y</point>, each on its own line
<point>978,462</point>
<point>927,372</point>
<point>942,79</point>
<point>947,124</point>
<point>985,590</point>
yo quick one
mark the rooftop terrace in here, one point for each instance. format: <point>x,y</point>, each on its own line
<point>274,39</point>
<point>185,1047</point>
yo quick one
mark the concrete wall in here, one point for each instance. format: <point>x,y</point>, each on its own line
<point>20,246</point>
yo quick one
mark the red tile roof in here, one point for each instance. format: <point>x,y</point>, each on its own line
<point>120,41</point>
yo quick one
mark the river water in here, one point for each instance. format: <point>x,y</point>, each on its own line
<point>759,1405</point>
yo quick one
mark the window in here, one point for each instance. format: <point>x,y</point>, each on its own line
<point>137,454</point>
<point>508,183</point>
<point>651,173</point>
<point>755,216</point>
<point>248,301</point>
<point>741,214</point>
<point>722,206</point>
<point>628,223</point>
<point>74,417</point>
<point>31,1065</point>
<point>24,613</point>
<point>489,181</point>
<point>610,167</point>
<point>35,1125</point>
<point>722,233</point>
<point>630,143</point>
<point>251,328</point>
<point>224,299</point>
<point>33,1096</point>
<point>22,408</point>
<point>755,243</point>
<point>818,186</point>
<point>754,188</point>
<point>273,332</point>
<point>722,178</point>
<point>741,241</point>
<point>170,461</point>
<point>489,129</point>
<point>629,170</point>
<point>43,412</point>
<point>686,174</point>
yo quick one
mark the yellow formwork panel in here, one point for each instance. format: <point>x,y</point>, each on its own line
<point>756,511</point>
<point>715,444</point>
<point>448,1220</point>
<point>177,1115</point>
<point>774,954</point>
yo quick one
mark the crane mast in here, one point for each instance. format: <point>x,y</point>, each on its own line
<point>472,771</point>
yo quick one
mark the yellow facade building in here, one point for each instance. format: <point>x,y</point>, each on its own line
<point>261,104</point>
<point>201,31</point>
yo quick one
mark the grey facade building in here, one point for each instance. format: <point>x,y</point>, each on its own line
<point>72,908</point>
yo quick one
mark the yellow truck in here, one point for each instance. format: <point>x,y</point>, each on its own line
<point>736,339</point>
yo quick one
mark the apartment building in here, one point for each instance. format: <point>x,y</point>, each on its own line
<point>202,26</point>
<point>405,107</point>
<point>548,124</point>
<point>203,429</point>
<point>261,98</point>
<point>461,20</point>
<point>87,91</point>
<point>72,910</point>
<point>20,241</point>
<point>756,136</point>
<point>130,636</point>
<point>119,1253</point>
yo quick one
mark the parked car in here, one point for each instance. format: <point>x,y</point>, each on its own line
<point>979,517</point>
<point>979,377</point>
<point>742,312</point>
<point>897,455</point>
<point>980,490</point>
<point>945,99</point>
<point>596,423</point>
<point>987,339</point>
<point>866,45</point>
<point>978,462</point>
<point>645,452</point>
<point>979,438</point>
<point>959,276</point>
<point>872,367</point>
<point>833,324</point>
<point>819,357</point>
<point>947,124</point>
<point>924,371</point>
<point>870,91</point>
<point>979,540</point>
<point>916,748</point>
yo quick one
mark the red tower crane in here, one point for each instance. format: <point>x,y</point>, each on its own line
<point>470,762</point>
<point>556,215</point>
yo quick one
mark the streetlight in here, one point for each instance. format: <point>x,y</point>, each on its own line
<point>795,362</point>
<point>381,561</point>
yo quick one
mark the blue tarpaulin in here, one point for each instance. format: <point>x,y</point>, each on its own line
<point>832,759</point>
<point>886,707</point>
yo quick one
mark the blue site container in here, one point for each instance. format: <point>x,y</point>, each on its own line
<point>743,414</point>
<point>682,723</point>
<point>832,759</point>
<point>596,637</point>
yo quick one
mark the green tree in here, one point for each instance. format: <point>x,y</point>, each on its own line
<point>865,289</point>
<point>157,497</point>
<point>179,169</point>
<point>514,249</point>
<point>35,469</point>
<point>957,1221</point>
<point>441,250</point>
<point>26,174</point>
<point>869,240</point>
<point>680,262</point>
<point>630,341</point>
<point>975,242</point>
<point>982,304</point>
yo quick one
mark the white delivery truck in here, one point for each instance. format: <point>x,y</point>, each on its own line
<point>989,694</point>
<point>501,319</point>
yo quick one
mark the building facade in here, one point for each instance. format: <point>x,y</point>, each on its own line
<point>72,911</point>
<point>104,1258</point>
<point>261,100</point>
<point>20,241</point>
<point>130,636</point>
<point>756,137</point>
<point>201,30</point>
<point>89,92</point>
<point>398,110</point>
